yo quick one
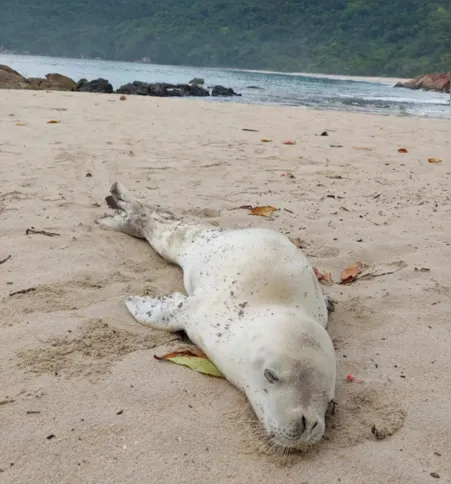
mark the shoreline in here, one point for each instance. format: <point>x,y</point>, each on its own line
<point>377,79</point>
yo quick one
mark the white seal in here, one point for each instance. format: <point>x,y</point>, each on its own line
<point>253,305</point>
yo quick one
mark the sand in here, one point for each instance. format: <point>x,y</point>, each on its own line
<point>82,398</point>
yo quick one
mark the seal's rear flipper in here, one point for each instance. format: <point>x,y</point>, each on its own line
<point>172,237</point>
<point>166,313</point>
<point>130,215</point>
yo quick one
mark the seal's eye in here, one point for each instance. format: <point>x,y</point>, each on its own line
<point>271,376</point>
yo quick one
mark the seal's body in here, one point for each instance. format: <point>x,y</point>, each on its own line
<point>253,305</point>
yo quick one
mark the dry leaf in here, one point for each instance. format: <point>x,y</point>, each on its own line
<point>20,124</point>
<point>362,148</point>
<point>350,274</point>
<point>323,276</point>
<point>434,160</point>
<point>288,142</point>
<point>403,150</point>
<point>265,211</point>
<point>53,121</point>
<point>194,359</point>
<point>266,140</point>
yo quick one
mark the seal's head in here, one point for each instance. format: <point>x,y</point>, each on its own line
<point>293,374</point>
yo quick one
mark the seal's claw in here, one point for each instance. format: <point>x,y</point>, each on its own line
<point>330,304</point>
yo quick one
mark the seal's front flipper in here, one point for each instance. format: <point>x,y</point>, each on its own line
<point>330,304</point>
<point>166,313</point>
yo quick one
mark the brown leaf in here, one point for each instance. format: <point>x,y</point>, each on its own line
<point>434,160</point>
<point>403,150</point>
<point>183,352</point>
<point>20,124</point>
<point>323,276</point>
<point>266,140</point>
<point>194,359</point>
<point>362,148</point>
<point>350,274</point>
<point>265,211</point>
<point>53,121</point>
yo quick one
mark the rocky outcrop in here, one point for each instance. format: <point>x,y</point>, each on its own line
<point>162,89</point>
<point>97,85</point>
<point>198,81</point>
<point>11,79</point>
<point>53,82</point>
<point>223,91</point>
<point>430,82</point>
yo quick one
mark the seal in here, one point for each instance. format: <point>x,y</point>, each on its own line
<point>253,305</point>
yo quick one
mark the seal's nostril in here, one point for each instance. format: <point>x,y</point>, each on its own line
<point>314,425</point>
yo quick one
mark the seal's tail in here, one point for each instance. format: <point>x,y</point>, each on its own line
<point>170,236</point>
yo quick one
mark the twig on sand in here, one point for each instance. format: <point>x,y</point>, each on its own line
<point>4,260</point>
<point>42,232</point>
<point>23,291</point>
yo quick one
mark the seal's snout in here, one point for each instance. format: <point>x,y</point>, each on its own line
<point>304,426</point>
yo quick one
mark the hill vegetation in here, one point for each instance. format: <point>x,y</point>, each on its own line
<point>362,37</point>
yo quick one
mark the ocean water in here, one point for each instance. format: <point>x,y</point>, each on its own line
<point>300,90</point>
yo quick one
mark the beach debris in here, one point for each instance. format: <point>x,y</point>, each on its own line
<point>403,150</point>
<point>434,475</point>
<point>32,230</point>
<point>193,358</point>
<point>423,269</point>
<point>288,174</point>
<point>350,273</point>
<point>288,142</point>
<point>325,277</point>
<point>20,124</point>
<point>50,437</point>
<point>250,130</point>
<point>53,121</point>
<point>23,291</point>
<point>350,378</point>
<point>88,175</point>
<point>266,140</point>
<point>434,160</point>
<point>362,148</point>
<point>123,98</point>
<point>298,242</point>
<point>264,211</point>
<point>336,146</point>
<point>324,133</point>
<point>33,412</point>
<point>2,261</point>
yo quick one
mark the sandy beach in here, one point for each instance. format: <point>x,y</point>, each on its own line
<point>82,398</point>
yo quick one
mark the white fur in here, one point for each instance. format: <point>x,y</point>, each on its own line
<point>253,304</point>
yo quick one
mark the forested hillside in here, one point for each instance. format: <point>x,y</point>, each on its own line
<point>367,37</point>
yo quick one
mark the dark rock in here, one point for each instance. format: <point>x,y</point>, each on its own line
<point>255,87</point>
<point>97,85</point>
<point>430,82</point>
<point>223,91</point>
<point>198,81</point>
<point>162,89</point>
